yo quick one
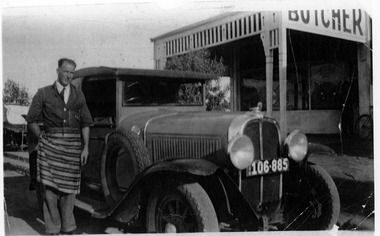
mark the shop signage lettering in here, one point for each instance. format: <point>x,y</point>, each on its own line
<point>342,20</point>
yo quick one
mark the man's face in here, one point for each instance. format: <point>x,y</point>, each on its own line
<point>65,73</point>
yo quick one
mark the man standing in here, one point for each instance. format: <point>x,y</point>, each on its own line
<point>62,146</point>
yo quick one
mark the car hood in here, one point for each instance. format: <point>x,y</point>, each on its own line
<point>184,123</point>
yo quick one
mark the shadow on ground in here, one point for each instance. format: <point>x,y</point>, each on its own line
<point>21,206</point>
<point>357,205</point>
<point>20,203</point>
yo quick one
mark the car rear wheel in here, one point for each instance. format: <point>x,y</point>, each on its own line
<point>185,208</point>
<point>319,208</point>
<point>126,156</point>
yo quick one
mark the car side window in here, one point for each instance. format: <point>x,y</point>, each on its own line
<point>158,92</point>
<point>100,94</point>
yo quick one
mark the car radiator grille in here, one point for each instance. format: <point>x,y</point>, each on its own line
<point>182,146</point>
<point>264,189</point>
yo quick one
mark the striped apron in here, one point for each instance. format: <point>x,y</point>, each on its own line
<point>58,163</point>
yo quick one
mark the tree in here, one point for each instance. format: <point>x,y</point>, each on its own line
<point>201,61</point>
<point>13,93</point>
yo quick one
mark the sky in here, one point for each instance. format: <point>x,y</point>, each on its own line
<point>117,35</point>
<point>94,33</point>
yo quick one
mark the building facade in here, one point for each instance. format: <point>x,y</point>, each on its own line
<point>312,69</point>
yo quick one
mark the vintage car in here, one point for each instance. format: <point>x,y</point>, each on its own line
<point>159,162</point>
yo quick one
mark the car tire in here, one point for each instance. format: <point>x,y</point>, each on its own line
<point>185,208</point>
<point>126,157</point>
<point>319,208</point>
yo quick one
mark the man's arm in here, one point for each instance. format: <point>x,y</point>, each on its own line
<point>34,128</point>
<point>34,113</point>
<point>86,139</point>
<point>86,122</point>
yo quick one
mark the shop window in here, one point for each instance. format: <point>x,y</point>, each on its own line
<point>297,95</point>
<point>326,82</point>
<point>317,68</point>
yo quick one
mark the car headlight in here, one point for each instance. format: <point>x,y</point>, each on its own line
<point>241,152</point>
<point>297,145</point>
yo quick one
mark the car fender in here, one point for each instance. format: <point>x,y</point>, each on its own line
<point>121,211</point>
<point>220,187</point>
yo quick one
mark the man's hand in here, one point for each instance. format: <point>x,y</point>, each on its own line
<point>86,139</point>
<point>35,129</point>
<point>84,156</point>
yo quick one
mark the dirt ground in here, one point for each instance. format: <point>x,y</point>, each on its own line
<point>353,174</point>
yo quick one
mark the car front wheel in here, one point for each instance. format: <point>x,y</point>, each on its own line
<point>185,208</point>
<point>319,205</point>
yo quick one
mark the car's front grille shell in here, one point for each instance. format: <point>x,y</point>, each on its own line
<point>183,146</point>
<point>263,189</point>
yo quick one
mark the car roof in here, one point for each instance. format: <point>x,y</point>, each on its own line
<point>109,71</point>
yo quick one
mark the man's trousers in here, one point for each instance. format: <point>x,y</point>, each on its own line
<point>58,211</point>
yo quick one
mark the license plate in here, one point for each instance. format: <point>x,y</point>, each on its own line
<point>263,167</point>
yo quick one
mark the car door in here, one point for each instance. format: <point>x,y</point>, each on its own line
<point>100,94</point>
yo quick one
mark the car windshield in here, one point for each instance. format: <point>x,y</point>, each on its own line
<point>160,92</point>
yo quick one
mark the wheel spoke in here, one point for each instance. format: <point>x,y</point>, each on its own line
<point>185,211</point>
<point>166,218</point>
<point>177,207</point>
<point>171,209</point>
<point>174,213</point>
<point>179,214</point>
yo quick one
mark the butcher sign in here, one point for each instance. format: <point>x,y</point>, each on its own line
<point>350,24</point>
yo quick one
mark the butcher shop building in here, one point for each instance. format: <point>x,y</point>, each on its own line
<point>304,64</point>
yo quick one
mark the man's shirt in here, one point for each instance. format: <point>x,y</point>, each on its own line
<point>66,92</point>
<point>48,105</point>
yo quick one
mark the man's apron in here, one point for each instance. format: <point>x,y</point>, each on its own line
<point>58,163</point>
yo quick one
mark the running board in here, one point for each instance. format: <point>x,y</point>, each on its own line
<point>97,209</point>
